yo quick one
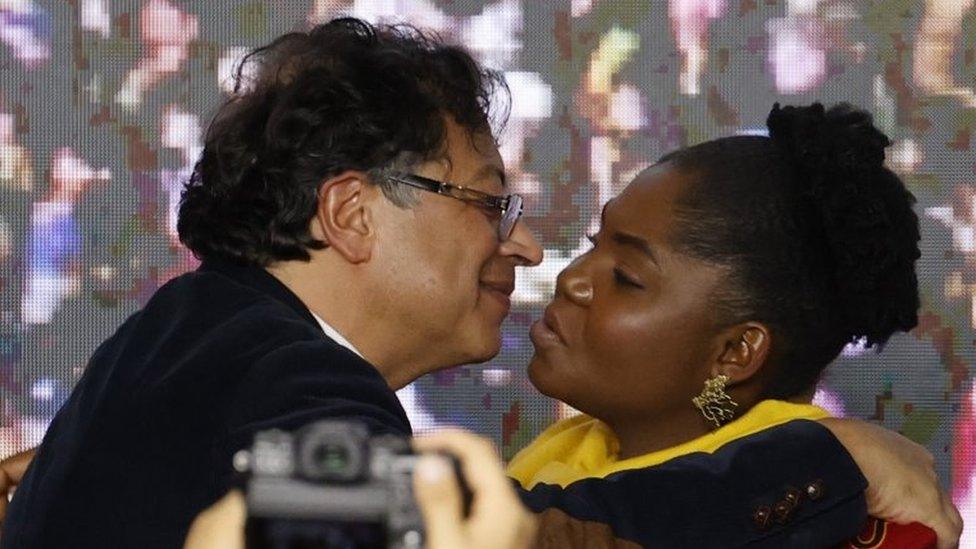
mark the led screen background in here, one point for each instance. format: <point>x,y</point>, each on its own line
<point>103,104</point>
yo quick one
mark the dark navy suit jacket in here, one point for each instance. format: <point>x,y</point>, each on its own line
<point>146,440</point>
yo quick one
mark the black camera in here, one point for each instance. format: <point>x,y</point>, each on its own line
<point>330,485</point>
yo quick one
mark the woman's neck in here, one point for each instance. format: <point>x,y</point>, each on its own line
<point>638,438</point>
<point>649,433</point>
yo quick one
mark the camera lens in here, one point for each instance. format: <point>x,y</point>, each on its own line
<point>334,459</point>
<point>333,452</point>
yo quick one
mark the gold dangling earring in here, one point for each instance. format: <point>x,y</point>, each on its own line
<point>714,403</point>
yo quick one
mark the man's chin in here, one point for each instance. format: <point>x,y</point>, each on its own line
<point>491,351</point>
<point>484,350</point>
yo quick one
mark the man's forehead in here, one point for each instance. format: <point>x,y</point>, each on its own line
<point>482,164</point>
<point>469,170</point>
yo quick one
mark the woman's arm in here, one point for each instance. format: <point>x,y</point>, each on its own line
<point>11,471</point>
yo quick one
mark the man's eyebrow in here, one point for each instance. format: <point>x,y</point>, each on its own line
<point>488,171</point>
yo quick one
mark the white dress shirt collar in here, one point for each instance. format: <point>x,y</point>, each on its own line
<point>336,336</point>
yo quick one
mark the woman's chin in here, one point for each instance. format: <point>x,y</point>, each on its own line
<point>552,380</point>
<point>541,375</point>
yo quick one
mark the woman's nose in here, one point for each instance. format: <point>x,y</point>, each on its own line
<point>574,283</point>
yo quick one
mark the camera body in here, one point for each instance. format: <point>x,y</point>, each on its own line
<point>330,484</point>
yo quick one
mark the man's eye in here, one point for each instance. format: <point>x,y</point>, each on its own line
<point>489,210</point>
<point>620,278</point>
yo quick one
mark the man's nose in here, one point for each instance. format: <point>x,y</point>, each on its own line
<point>522,245</point>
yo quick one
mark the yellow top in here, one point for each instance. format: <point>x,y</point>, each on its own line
<point>583,447</point>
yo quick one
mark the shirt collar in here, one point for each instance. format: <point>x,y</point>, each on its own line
<point>336,336</point>
<point>584,447</point>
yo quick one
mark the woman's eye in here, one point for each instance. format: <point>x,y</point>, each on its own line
<point>622,279</point>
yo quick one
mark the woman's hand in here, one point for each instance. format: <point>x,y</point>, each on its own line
<point>11,471</point>
<point>497,518</point>
<point>902,484</point>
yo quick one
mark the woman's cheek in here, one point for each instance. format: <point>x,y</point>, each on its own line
<point>619,331</point>
<point>634,330</point>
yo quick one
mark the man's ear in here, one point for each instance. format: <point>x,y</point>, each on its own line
<point>745,349</point>
<point>344,217</point>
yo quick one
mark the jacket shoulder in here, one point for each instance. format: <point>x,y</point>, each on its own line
<point>789,486</point>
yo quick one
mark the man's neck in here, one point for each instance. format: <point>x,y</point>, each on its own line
<point>343,304</point>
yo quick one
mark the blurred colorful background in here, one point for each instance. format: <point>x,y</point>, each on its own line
<point>103,104</point>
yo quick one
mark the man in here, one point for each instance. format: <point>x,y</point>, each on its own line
<point>333,274</point>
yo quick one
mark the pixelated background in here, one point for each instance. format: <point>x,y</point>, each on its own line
<point>103,103</point>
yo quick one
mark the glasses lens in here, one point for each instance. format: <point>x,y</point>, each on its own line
<point>511,217</point>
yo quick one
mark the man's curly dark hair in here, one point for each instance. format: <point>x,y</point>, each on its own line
<point>819,237</point>
<point>344,95</point>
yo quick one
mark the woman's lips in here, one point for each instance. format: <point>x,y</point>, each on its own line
<point>545,331</point>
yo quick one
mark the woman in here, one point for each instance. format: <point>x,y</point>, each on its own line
<point>722,282</point>
<point>707,266</point>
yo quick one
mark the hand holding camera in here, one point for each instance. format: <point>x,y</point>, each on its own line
<point>497,518</point>
<point>368,492</point>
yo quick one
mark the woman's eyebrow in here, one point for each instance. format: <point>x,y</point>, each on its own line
<point>636,242</point>
<point>629,240</point>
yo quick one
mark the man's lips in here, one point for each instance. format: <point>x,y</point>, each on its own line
<point>501,289</point>
<point>502,286</point>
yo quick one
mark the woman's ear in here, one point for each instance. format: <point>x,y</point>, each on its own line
<point>344,216</point>
<point>745,351</point>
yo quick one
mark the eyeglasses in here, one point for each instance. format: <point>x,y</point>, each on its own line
<point>508,207</point>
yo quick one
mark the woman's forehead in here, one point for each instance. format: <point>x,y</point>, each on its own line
<point>653,190</point>
<point>646,206</point>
